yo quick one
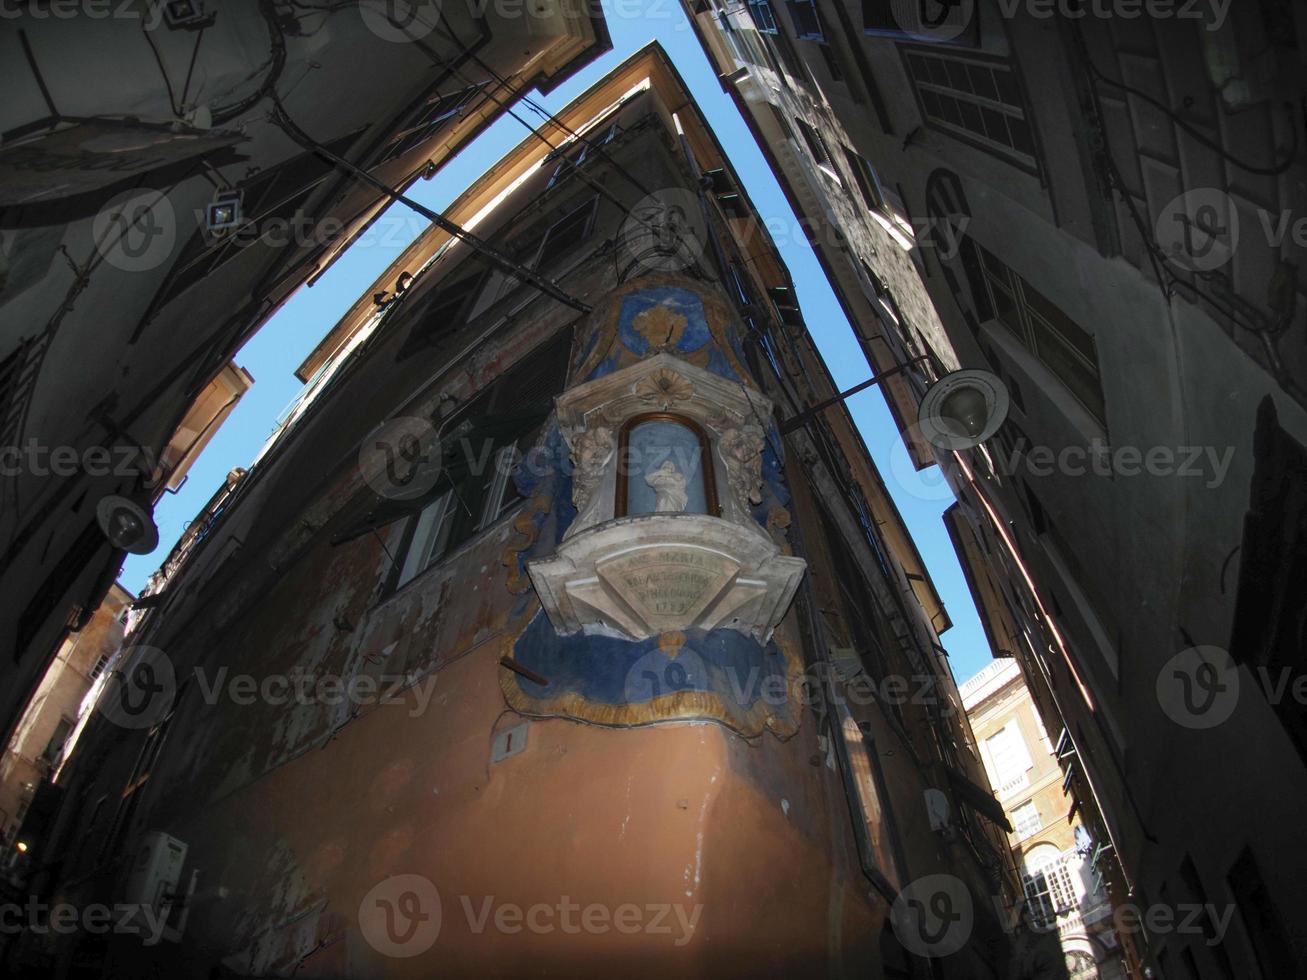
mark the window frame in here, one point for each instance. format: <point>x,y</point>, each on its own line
<point>1018,823</point>
<point>995,274</point>
<point>705,461</point>
<point>418,128</point>
<point>1032,162</point>
<point>543,250</point>
<point>868,181</point>
<point>770,13</point>
<point>409,570</point>
<point>801,32</point>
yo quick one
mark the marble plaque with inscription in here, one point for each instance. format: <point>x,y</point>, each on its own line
<point>668,585</point>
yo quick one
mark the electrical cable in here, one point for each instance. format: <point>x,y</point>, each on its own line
<point>190,69</point>
<point>1215,147</point>
<point>158,60</point>
<point>277,64</point>
<point>497,258</point>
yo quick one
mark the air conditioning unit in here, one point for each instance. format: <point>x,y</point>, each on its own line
<point>153,881</point>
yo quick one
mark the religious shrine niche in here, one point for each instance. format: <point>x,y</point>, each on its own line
<point>667,468</point>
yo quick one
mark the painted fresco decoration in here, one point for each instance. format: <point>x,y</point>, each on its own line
<point>654,536</point>
<point>663,314</point>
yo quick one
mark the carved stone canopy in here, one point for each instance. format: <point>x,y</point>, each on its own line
<point>649,573</point>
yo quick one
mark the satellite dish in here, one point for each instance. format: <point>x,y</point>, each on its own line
<point>127,524</point>
<point>963,409</point>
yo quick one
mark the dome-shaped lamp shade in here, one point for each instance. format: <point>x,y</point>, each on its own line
<point>127,524</point>
<point>963,409</point>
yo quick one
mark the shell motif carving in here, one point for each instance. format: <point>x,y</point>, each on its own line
<point>664,387</point>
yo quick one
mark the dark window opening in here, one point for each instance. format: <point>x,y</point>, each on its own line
<point>764,18</point>
<point>442,314</point>
<point>57,740</point>
<point>481,445</point>
<point>568,232</point>
<point>832,62</point>
<point>807,22</point>
<point>865,177</point>
<point>427,120</point>
<point>816,145</point>
<point>1058,342</point>
<point>975,97</point>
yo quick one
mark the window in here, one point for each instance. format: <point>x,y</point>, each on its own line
<point>764,18</point>
<point>664,466</point>
<point>807,23</point>
<point>1060,344</point>
<point>781,121</point>
<point>1048,884</point>
<point>57,739</point>
<point>832,62</point>
<point>441,312</point>
<point>1026,820</point>
<point>429,539</point>
<point>568,232</point>
<point>499,497</point>
<point>1006,756</point>
<point>976,98</point>
<point>744,40</point>
<point>572,155</point>
<point>865,177</point>
<point>427,119</point>
<point>818,148</point>
<point>480,448</point>
<point>1261,915</point>
<point>99,666</point>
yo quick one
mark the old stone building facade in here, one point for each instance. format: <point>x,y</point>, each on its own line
<point>1095,205</point>
<point>50,718</point>
<point>155,210</point>
<point>550,632</point>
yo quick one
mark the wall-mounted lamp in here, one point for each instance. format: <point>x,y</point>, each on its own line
<point>963,409</point>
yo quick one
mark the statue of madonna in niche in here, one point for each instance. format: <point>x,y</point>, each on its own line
<point>664,467</point>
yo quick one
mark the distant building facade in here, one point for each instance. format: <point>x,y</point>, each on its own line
<point>37,745</point>
<point>1089,205</point>
<point>622,626</point>
<point>1051,844</point>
